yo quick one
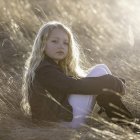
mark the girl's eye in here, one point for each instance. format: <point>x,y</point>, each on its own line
<point>54,41</point>
<point>66,43</point>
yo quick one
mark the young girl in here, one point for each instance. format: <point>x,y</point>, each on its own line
<point>53,87</point>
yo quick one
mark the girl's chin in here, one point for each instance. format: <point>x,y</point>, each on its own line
<point>59,59</point>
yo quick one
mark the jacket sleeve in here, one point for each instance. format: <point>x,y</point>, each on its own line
<point>52,78</point>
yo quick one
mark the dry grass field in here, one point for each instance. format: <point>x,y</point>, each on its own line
<point>107,31</point>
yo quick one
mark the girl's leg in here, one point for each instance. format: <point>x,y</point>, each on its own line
<point>99,70</point>
<point>112,104</point>
<point>83,104</point>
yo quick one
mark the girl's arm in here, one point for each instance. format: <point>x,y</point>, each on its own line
<point>52,78</point>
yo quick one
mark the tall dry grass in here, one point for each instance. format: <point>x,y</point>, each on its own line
<point>107,31</point>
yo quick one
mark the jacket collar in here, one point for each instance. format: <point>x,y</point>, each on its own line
<point>50,60</point>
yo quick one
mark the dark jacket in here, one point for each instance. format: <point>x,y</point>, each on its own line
<point>48,95</point>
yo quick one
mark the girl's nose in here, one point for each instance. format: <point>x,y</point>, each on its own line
<point>60,45</point>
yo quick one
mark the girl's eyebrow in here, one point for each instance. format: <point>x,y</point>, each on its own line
<point>66,40</point>
<point>58,38</point>
<point>53,37</point>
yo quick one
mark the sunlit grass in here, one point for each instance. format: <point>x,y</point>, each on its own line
<point>107,32</point>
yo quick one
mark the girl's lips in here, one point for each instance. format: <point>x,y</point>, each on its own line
<point>60,52</point>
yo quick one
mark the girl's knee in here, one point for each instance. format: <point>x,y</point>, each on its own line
<point>99,70</point>
<point>101,66</point>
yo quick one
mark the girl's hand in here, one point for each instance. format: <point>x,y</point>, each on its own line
<point>117,85</point>
<point>124,86</point>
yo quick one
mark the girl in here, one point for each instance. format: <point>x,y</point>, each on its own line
<point>53,75</point>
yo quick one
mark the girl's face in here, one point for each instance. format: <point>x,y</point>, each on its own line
<point>57,45</point>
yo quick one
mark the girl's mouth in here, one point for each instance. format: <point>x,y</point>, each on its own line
<point>60,52</point>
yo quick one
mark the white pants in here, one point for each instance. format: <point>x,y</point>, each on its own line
<point>82,104</point>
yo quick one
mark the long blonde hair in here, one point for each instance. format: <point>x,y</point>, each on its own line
<point>70,64</point>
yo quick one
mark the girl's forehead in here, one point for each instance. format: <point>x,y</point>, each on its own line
<point>59,32</point>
